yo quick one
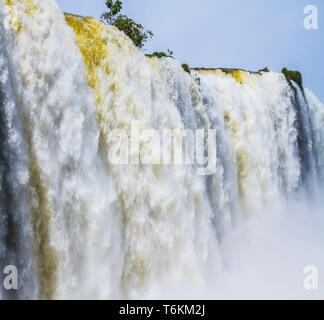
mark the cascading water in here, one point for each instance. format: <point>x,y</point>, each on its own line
<point>78,226</point>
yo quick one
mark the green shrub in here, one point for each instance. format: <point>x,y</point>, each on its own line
<point>295,76</point>
<point>160,54</point>
<point>186,68</point>
<point>264,70</point>
<point>133,30</point>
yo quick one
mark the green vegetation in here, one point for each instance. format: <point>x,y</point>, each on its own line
<point>264,70</point>
<point>186,68</point>
<point>293,76</point>
<point>159,54</point>
<point>133,30</point>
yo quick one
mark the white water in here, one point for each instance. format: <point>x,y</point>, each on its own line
<point>77,226</point>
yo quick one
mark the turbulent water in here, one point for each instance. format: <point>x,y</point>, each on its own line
<point>78,226</point>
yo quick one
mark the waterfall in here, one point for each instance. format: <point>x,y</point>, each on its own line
<point>78,226</point>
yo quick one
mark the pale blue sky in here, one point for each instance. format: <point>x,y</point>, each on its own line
<point>249,34</point>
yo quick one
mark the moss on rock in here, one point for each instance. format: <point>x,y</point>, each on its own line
<point>186,68</point>
<point>295,76</point>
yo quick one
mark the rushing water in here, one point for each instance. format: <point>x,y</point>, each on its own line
<point>78,226</point>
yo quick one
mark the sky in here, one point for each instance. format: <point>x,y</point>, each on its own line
<point>249,34</point>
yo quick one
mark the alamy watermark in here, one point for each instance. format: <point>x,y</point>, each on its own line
<point>167,147</point>
<point>10,281</point>
<point>311,279</point>
<point>311,19</point>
